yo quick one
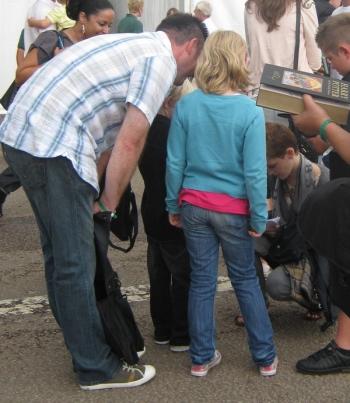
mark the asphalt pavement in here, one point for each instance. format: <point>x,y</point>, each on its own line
<point>35,365</point>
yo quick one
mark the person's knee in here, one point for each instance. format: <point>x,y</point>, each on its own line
<point>278,284</point>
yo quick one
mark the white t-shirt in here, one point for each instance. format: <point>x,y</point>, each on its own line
<point>341,9</point>
<point>39,10</point>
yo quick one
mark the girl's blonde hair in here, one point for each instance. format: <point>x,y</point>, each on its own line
<point>221,66</point>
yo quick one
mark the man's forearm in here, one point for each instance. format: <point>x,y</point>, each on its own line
<point>125,155</point>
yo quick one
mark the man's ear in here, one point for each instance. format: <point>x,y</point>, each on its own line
<point>344,49</point>
<point>192,46</point>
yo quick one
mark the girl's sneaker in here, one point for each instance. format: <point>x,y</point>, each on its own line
<point>269,370</point>
<point>202,369</point>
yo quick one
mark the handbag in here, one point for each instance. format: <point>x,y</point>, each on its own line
<point>288,246</point>
<point>125,223</point>
<point>9,95</point>
<point>121,331</point>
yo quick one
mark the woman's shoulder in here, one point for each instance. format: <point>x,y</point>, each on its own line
<point>46,36</point>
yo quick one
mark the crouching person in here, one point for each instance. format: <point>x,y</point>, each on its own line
<point>292,276</point>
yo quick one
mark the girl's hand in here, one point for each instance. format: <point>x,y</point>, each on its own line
<point>175,220</point>
<point>254,234</point>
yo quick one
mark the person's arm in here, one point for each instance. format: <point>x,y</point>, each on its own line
<point>42,50</point>
<point>19,57</point>
<point>310,121</point>
<point>40,24</point>
<point>20,49</point>
<point>175,165</point>
<point>125,154</point>
<point>255,172</point>
<point>28,67</point>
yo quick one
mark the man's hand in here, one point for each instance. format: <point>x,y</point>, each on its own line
<point>310,120</point>
<point>175,220</point>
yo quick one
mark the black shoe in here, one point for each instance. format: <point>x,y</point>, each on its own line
<point>2,199</point>
<point>328,360</point>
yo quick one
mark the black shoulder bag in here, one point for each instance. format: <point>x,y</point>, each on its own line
<point>119,324</point>
<point>125,225</point>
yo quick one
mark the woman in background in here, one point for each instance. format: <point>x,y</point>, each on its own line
<point>270,32</point>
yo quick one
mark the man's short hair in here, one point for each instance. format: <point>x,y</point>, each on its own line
<point>135,5</point>
<point>183,27</point>
<point>278,139</point>
<point>205,7</point>
<point>333,31</point>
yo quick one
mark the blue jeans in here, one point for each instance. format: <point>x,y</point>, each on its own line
<point>204,231</point>
<point>62,204</point>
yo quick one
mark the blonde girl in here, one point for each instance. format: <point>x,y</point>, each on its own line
<point>216,189</point>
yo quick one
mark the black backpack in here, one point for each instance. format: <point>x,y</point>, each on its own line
<point>120,328</point>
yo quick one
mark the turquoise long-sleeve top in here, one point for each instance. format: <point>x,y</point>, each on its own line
<point>217,144</point>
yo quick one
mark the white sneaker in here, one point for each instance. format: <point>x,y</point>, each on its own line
<point>129,376</point>
<point>142,352</point>
<point>179,349</point>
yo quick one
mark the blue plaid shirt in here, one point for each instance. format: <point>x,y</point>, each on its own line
<point>75,104</point>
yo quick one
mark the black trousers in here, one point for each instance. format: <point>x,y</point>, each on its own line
<point>169,273</point>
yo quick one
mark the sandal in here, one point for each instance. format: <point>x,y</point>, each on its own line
<point>313,315</point>
<point>239,320</point>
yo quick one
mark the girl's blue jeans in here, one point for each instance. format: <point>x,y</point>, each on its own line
<point>205,231</point>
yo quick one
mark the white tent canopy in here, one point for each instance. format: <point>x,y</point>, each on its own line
<point>227,14</point>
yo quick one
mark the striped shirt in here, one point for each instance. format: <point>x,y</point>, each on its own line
<point>75,104</point>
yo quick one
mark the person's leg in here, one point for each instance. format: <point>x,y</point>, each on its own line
<point>203,248</point>
<point>238,253</point>
<point>9,182</point>
<point>62,203</point>
<point>335,357</point>
<point>160,299</point>
<point>342,337</point>
<point>278,284</point>
<point>177,261</point>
